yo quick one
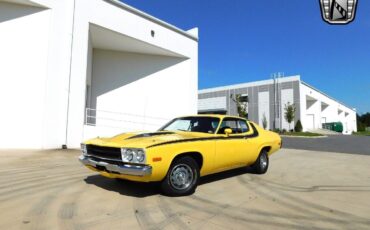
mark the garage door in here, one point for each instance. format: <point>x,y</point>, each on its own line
<point>310,123</point>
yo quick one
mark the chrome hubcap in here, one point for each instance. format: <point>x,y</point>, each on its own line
<point>263,161</point>
<point>181,177</point>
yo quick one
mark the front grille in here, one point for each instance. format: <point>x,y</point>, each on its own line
<point>100,152</point>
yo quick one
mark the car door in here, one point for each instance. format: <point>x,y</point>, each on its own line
<point>239,148</point>
<point>249,147</point>
<point>227,148</point>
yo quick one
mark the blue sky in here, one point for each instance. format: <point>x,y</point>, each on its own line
<point>244,40</point>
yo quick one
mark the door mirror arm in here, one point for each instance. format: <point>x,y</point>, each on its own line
<point>228,132</point>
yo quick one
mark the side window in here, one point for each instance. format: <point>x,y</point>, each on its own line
<point>228,123</point>
<point>214,125</point>
<point>243,127</point>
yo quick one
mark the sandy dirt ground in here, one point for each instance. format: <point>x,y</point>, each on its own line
<point>302,190</point>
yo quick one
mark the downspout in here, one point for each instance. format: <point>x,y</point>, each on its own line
<point>229,109</point>
<point>280,107</point>
<point>64,146</point>
<point>274,88</point>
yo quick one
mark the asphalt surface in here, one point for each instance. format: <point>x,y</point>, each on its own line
<point>302,190</point>
<point>338,143</point>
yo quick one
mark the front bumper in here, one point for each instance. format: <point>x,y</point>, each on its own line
<point>126,169</point>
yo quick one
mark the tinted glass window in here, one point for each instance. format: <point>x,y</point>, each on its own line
<point>236,125</point>
<point>228,123</point>
<point>243,127</point>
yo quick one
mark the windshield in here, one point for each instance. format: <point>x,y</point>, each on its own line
<point>193,124</point>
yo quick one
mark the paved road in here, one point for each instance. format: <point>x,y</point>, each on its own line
<point>301,190</point>
<point>338,143</point>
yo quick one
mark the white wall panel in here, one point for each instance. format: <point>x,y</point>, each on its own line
<point>46,62</point>
<point>264,108</point>
<point>125,84</point>
<point>286,97</point>
<point>214,103</point>
<point>178,83</point>
<point>24,42</point>
<point>310,121</point>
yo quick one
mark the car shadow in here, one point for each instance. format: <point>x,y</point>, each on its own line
<point>140,190</point>
<point>124,187</point>
<point>225,175</point>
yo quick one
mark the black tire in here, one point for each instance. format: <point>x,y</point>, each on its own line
<point>182,178</point>
<point>262,163</point>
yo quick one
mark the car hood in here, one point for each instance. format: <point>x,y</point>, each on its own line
<point>144,139</point>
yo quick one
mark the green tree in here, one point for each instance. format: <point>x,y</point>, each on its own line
<point>289,113</point>
<point>361,122</point>
<point>240,105</point>
<point>364,119</point>
<point>298,126</point>
<point>264,121</point>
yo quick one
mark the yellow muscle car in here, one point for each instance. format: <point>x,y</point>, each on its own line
<point>181,151</point>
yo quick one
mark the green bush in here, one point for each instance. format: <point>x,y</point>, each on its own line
<point>298,126</point>
<point>361,127</point>
<point>277,130</point>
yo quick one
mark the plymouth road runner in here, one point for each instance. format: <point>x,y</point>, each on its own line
<point>181,151</point>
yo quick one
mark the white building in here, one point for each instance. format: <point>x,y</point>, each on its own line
<point>72,69</point>
<point>268,99</point>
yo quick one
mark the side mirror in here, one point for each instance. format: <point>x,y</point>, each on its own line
<point>228,131</point>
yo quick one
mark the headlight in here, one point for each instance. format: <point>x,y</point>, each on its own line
<point>140,156</point>
<point>83,149</point>
<point>133,155</point>
<point>129,155</point>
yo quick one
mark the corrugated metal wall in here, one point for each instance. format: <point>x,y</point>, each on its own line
<point>253,100</point>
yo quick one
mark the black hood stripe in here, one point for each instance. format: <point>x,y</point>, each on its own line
<point>149,135</point>
<point>253,135</point>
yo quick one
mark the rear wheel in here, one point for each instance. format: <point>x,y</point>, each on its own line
<point>182,177</point>
<point>262,163</point>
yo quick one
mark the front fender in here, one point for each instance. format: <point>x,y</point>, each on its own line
<point>168,153</point>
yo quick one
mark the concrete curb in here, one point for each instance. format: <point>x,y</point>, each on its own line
<point>303,136</point>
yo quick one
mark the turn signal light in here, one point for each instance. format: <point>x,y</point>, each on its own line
<point>155,159</point>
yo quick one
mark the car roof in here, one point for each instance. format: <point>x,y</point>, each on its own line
<point>214,115</point>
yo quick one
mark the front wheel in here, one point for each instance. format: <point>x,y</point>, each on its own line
<point>182,177</point>
<point>262,163</point>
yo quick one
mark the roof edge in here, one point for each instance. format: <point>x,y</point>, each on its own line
<point>332,98</point>
<point>249,84</point>
<point>152,19</point>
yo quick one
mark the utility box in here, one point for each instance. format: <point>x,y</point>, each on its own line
<point>333,126</point>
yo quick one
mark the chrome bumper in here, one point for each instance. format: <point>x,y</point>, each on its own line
<point>133,170</point>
